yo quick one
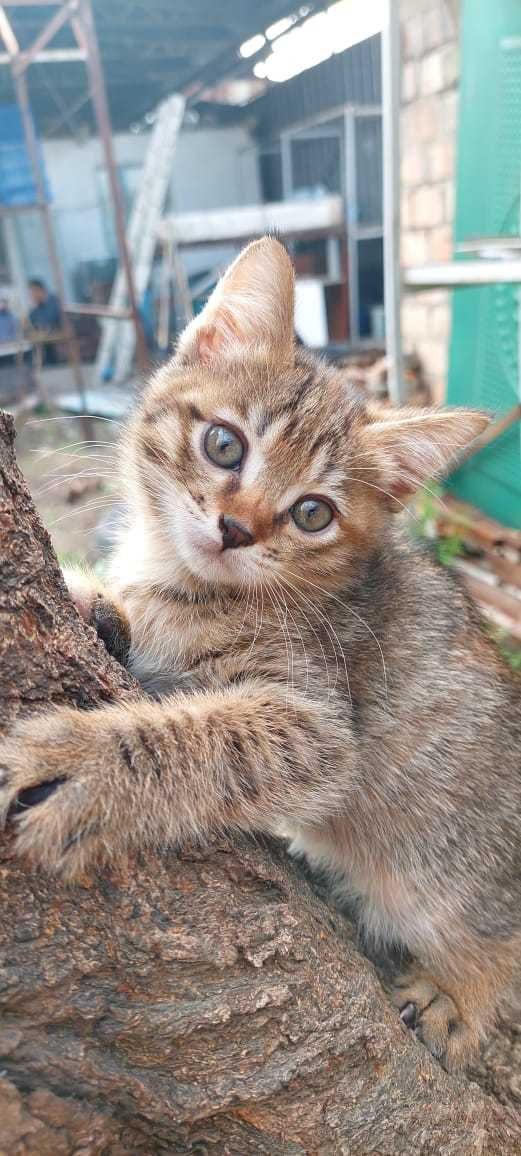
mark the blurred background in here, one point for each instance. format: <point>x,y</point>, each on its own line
<point>142,144</point>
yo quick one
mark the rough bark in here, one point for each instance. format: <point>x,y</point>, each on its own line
<point>208,1002</point>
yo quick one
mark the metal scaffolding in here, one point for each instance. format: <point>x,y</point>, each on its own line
<point>78,15</point>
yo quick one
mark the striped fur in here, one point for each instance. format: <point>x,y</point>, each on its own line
<point>334,687</point>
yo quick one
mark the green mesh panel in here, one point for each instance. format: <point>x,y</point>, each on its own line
<point>484,356</point>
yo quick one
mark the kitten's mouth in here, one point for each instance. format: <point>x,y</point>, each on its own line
<point>205,558</point>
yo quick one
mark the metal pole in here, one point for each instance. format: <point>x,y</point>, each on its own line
<point>20,84</point>
<point>28,55</point>
<point>391,199</point>
<point>351,207</point>
<point>14,259</point>
<point>85,28</point>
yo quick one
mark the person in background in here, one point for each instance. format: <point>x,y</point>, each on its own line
<point>9,327</point>
<point>45,315</point>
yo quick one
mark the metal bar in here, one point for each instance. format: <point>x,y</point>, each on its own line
<point>84,27</point>
<point>86,309</point>
<point>67,116</point>
<point>20,85</point>
<point>479,244</point>
<point>31,3</point>
<point>51,56</point>
<point>181,287</point>
<point>8,36</point>
<point>368,232</point>
<point>165,297</point>
<point>81,39</point>
<point>61,105</point>
<point>286,164</point>
<point>391,200</point>
<point>339,110</point>
<point>351,212</point>
<point>14,257</point>
<point>48,32</point>
<point>454,274</point>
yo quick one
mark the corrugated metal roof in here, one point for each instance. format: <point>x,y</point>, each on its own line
<point>149,49</point>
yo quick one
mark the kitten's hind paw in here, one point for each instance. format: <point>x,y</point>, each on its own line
<point>435,1018</point>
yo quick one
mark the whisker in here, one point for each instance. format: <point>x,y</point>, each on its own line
<point>331,633</point>
<point>286,588</point>
<point>280,617</point>
<point>96,504</point>
<point>387,494</point>
<point>43,490</point>
<point>362,621</point>
<point>426,489</point>
<point>290,641</point>
<point>70,417</point>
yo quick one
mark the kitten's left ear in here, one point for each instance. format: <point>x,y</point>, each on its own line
<point>410,446</point>
<point>251,309</point>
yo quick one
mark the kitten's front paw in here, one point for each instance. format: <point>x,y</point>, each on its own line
<point>102,611</point>
<point>53,788</point>
<point>435,1017</point>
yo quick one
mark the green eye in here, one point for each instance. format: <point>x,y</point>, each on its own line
<point>311,514</point>
<point>223,447</point>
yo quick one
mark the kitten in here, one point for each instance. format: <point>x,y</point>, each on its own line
<point>310,670</point>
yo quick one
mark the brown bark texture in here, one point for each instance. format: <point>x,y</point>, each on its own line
<point>203,1002</point>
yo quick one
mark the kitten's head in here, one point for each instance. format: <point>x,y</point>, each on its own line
<point>257,463</point>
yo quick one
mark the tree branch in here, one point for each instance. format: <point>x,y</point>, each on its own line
<point>202,1003</point>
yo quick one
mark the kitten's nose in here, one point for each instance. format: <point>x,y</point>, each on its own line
<point>233,533</point>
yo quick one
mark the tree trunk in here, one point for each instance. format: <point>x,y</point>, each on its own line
<point>206,1002</point>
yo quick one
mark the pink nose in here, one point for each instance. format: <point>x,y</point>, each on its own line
<point>234,535</point>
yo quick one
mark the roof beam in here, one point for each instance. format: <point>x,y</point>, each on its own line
<point>48,32</point>
<point>32,3</point>
<point>49,56</point>
<point>8,36</point>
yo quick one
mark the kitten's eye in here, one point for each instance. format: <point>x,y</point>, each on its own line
<point>311,514</point>
<point>223,447</point>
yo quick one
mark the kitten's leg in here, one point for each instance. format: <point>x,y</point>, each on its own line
<point>102,610</point>
<point>88,785</point>
<point>451,1008</point>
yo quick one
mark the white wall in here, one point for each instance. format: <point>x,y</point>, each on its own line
<point>212,168</point>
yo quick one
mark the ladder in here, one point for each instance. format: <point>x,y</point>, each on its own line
<point>116,348</point>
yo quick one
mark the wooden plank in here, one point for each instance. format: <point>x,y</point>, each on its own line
<point>508,571</point>
<point>465,516</point>
<point>243,222</point>
<point>489,593</point>
<point>88,310</point>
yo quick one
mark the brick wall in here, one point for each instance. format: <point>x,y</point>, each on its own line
<point>430,74</point>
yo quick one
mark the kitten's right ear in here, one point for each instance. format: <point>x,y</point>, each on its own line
<point>409,446</point>
<point>250,310</point>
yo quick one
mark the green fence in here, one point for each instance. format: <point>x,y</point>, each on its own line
<point>486,333</point>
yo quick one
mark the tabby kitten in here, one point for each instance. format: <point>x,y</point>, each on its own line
<point>310,671</point>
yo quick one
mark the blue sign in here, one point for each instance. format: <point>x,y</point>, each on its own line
<point>17,185</point>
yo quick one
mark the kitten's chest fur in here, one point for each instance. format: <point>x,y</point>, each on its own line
<point>183,644</point>
<point>179,644</point>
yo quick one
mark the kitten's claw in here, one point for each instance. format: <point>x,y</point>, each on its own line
<point>52,791</point>
<point>100,609</point>
<point>409,1015</point>
<point>436,1019</point>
